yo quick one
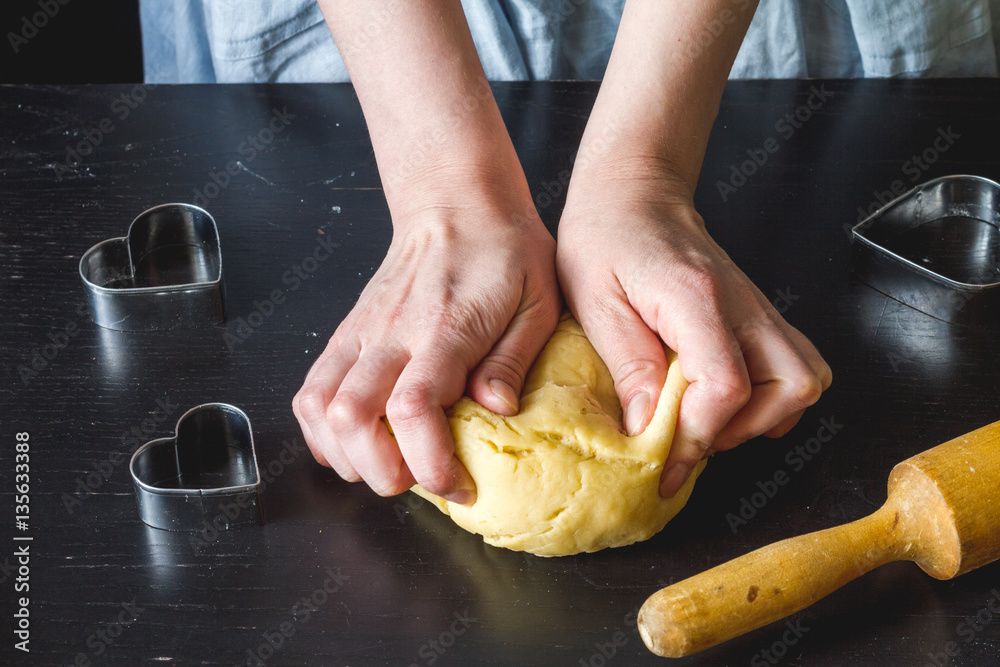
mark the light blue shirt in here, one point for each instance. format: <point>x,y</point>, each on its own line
<point>203,41</point>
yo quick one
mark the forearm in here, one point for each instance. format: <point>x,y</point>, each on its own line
<point>662,89</point>
<point>429,108</point>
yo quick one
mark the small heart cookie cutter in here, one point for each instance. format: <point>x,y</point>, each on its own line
<point>936,248</point>
<point>205,476</point>
<point>166,273</point>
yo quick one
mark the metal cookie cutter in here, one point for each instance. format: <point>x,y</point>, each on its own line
<point>166,273</point>
<point>936,248</point>
<point>205,476</point>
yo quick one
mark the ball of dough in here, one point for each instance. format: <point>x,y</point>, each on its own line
<point>561,477</point>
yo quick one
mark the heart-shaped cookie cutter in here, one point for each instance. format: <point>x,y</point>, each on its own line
<point>205,476</point>
<point>890,255</point>
<point>166,273</point>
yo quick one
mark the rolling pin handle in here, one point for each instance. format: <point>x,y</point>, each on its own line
<point>767,585</point>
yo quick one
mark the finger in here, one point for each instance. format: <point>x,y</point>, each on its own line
<point>310,405</point>
<point>767,412</point>
<point>428,384</point>
<point>342,350</point>
<point>784,427</point>
<point>355,421</point>
<point>784,384</point>
<point>633,354</point>
<point>711,360</point>
<point>799,341</point>
<point>809,353</point>
<point>497,381</point>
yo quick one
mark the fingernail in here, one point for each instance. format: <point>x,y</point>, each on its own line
<point>635,413</point>
<point>462,497</point>
<point>674,479</point>
<point>503,391</point>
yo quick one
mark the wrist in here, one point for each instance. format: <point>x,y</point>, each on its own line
<point>469,197</point>
<point>629,179</point>
<point>487,192</point>
<point>618,140</point>
<point>451,165</point>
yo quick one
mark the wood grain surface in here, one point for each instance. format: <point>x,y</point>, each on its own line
<point>339,576</point>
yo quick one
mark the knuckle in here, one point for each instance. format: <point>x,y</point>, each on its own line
<point>346,412</point>
<point>805,390</point>
<point>699,449</point>
<point>825,376</point>
<point>409,404</point>
<point>731,388</point>
<point>706,283</point>
<point>309,403</point>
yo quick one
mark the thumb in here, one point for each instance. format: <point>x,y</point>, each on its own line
<point>634,355</point>
<point>497,381</point>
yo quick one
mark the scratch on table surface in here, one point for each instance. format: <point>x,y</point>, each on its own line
<point>881,316</point>
<point>253,173</point>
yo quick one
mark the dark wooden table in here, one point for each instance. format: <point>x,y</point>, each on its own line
<point>340,576</point>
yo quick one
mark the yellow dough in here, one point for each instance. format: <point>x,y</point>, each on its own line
<point>561,477</point>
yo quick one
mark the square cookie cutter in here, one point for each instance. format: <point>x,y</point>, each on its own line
<point>203,478</point>
<point>936,248</point>
<point>166,273</point>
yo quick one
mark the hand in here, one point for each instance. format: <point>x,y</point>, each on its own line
<point>464,301</point>
<point>466,296</point>
<point>637,266</point>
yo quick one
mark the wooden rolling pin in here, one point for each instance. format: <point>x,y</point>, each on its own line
<point>943,513</point>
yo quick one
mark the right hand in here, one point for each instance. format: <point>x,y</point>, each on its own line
<point>464,301</point>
